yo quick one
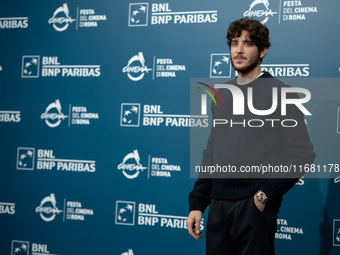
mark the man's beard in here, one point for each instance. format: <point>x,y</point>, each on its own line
<point>246,69</point>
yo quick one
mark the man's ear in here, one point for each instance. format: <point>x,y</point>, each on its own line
<point>263,52</point>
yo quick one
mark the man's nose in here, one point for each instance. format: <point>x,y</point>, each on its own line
<point>240,48</point>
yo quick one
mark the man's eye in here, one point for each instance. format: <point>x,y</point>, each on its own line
<point>249,44</point>
<point>234,44</point>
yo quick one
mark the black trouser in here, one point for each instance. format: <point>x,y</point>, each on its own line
<point>240,228</point>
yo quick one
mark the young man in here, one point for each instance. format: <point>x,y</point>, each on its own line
<point>243,211</point>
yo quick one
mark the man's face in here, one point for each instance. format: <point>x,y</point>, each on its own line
<point>245,56</point>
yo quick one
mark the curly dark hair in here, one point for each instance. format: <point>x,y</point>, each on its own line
<point>258,33</point>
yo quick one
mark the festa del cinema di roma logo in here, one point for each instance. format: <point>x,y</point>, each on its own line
<point>53,119</point>
<point>61,18</point>
<point>48,208</point>
<point>61,23</point>
<point>131,163</point>
<point>136,67</point>
<point>255,10</point>
<point>161,68</point>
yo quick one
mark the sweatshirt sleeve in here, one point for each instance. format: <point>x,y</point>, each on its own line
<point>296,150</point>
<point>199,197</point>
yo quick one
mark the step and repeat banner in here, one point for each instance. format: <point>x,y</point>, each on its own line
<point>95,120</point>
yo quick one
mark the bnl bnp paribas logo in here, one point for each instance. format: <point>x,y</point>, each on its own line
<point>152,115</point>
<point>23,248</point>
<point>220,66</point>
<point>125,213</point>
<point>164,14</point>
<point>25,158</point>
<point>30,66</point>
<point>51,67</point>
<point>20,247</point>
<point>138,14</point>
<point>46,160</point>
<point>147,215</point>
<point>130,115</point>
<point>336,232</point>
<point>13,22</point>
<point>259,9</point>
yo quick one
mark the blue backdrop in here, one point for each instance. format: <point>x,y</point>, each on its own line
<point>95,120</point>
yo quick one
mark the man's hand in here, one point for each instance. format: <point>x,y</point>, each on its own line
<point>259,204</point>
<point>193,223</point>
